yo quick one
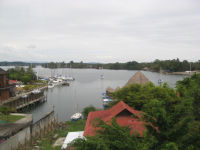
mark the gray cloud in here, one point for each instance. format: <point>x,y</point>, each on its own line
<point>32,46</point>
<point>105,31</point>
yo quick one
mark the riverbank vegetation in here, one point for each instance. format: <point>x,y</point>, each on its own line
<point>174,113</point>
<point>174,65</point>
<point>61,131</point>
<point>27,76</point>
<point>87,110</point>
<point>21,74</point>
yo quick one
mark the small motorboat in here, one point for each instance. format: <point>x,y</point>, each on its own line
<point>65,83</point>
<point>69,78</point>
<point>76,116</point>
<point>50,85</point>
<point>106,101</point>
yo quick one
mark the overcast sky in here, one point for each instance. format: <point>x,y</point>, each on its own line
<point>99,30</point>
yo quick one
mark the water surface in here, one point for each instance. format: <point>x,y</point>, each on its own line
<point>86,89</point>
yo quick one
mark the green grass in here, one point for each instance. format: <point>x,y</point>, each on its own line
<point>10,118</point>
<point>72,126</point>
<point>47,142</point>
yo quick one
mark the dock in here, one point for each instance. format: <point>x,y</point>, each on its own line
<point>23,100</point>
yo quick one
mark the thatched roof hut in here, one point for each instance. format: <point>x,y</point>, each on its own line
<point>118,88</point>
<point>138,78</point>
<point>110,90</point>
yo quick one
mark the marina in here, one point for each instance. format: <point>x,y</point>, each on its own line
<point>87,89</point>
<point>63,92</point>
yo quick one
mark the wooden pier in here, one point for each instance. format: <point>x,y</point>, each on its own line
<point>23,100</point>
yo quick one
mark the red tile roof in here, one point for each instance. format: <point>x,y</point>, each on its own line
<point>13,81</point>
<point>125,116</point>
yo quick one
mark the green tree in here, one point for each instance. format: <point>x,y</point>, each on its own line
<point>190,88</point>
<point>110,137</point>
<point>26,78</point>
<point>87,110</point>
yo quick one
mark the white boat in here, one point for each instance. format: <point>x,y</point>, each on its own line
<point>106,101</point>
<point>102,76</point>
<point>57,81</point>
<point>36,91</point>
<point>76,116</point>
<point>50,86</point>
<point>24,96</point>
<point>69,78</point>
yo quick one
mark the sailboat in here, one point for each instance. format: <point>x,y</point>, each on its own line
<point>102,76</point>
<point>70,78</point>
<point>77,115</point>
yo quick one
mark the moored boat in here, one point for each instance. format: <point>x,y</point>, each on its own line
<point>76,116</point>
<point>36,91</point>
<point>106,102</point>
<point>51,85</point>
<point>65,83</point>
<point>69,78</point>
<point>102,76</point>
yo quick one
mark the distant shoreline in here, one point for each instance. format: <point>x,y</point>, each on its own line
<point>162,72</point>
<point>182,73</point>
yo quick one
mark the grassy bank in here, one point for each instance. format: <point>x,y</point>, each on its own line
<point>46,143</point>
<point>9,118</point>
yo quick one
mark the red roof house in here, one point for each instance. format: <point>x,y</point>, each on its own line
<point>125,116</point>
<point>13,81</point>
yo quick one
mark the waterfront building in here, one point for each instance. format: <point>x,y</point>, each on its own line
<point>4,86</point>
<point>124,114</point>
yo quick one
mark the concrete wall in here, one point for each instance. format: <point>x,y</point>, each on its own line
<point>38,129</point>
<point>44,125</point>
<point>18,139</point>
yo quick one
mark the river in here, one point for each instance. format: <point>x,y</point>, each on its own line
<point>86,89</point>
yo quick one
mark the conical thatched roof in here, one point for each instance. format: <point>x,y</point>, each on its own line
<point>138,78</point>
<point>118,88</point>
<point>110,90</point>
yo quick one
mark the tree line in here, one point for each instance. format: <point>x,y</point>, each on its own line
<point>174,65</point>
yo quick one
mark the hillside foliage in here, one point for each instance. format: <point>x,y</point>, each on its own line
<point>176,118</point>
